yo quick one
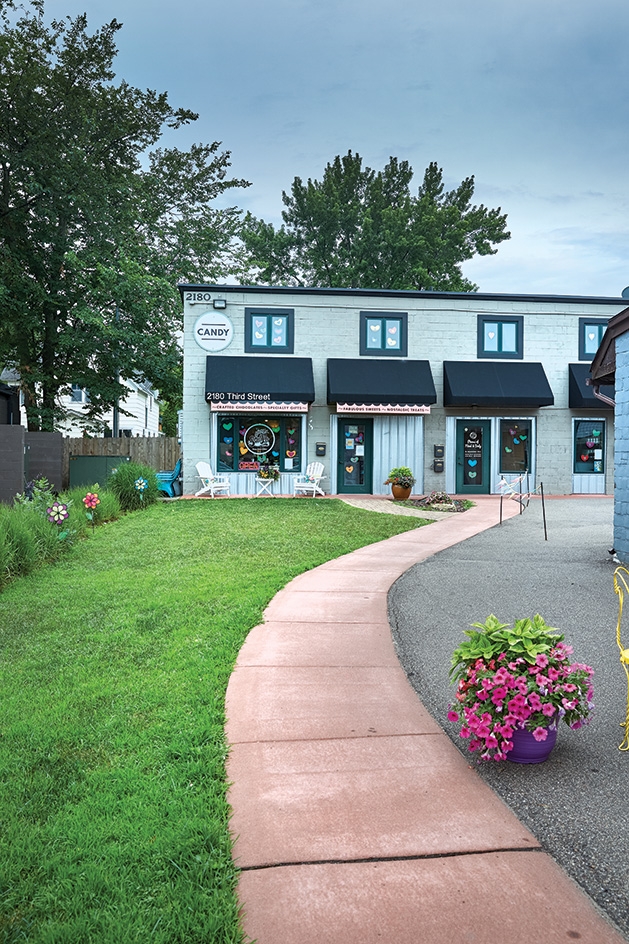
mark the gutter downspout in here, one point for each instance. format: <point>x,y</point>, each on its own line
<point>596,391</point>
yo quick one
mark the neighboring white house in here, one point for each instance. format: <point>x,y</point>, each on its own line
<point>465,388</point>
<point>141,402</point>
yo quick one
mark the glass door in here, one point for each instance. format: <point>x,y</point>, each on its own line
<point>355,456</point>
<point>473,451</point>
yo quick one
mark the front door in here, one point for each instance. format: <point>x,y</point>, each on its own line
<point>355,456</point>
<point>473,450</point>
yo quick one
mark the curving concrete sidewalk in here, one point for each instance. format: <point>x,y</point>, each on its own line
<point>357,820</point>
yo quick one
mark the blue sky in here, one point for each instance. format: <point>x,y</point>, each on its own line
<point>531,98</point>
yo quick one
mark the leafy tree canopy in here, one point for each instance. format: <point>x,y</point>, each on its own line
<point>361,228</point>
<point>95,228</point>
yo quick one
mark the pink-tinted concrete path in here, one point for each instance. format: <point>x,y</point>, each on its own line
<point>357,820</point>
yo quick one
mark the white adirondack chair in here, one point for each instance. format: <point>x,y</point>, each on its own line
<point>308,483</point>
<point>209,482</point>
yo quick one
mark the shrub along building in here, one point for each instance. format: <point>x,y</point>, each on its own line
<point>467,389</point>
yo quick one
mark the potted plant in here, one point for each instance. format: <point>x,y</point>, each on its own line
<point>401,481</point>
<point>269,471</point>
<point>514,685</point>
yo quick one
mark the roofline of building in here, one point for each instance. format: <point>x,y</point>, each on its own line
<point>397,293</point>
<point>603,367</point>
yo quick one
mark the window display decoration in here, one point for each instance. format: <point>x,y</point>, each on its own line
<point>262,441</point>
<point>515,453</point>
<point>589,447</point>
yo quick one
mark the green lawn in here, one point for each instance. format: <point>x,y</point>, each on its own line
<point>113,669</point>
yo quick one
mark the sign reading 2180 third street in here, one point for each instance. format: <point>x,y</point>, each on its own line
<point>213,331</point>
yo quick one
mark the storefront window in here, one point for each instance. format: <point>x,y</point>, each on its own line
<point>589,446</point>
<point>246,443</point>
<point>515,446</point>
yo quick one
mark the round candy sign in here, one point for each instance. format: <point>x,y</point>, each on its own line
<point>213,331</point>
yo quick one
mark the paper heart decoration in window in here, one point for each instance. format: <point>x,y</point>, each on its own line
<point>229,453</point>
<point>291,431</point>
<point>349,468</point>
<point>590,443</point>
<point>275,454</point>
<point>227,425</point>
<point>278,339</point>
<point>491,335</point>
<point>507,449</point>
<point>516,441</point>
<point>591,336</point>
<point>584,457</point>
<point>523,437</point>
<point>275,429</point>
<point>596,432</point>
<point>243,449</point>
<point>472,462</point>
<point>392,330</point>
<point>472,475</point>
<point>391,342</point>
<point>291,453</point>
<point>374,327</point>
<point>258,334</point>
<point>279,321</point>
<point>228,439</point>
<point>291,442</point>
<point>259,323</point>
<point>512,432</point>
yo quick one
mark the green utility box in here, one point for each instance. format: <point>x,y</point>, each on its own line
<point>87,470</point>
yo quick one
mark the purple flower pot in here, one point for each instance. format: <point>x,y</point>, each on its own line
<point>527,750</point>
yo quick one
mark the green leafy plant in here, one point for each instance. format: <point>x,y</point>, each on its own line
<point>134,485</point>
<point>527,638</point>
<point>402,476</point>
<point>38,494</point>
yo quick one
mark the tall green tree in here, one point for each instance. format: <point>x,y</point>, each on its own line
<point>361,228</point>
<point>95,227</point>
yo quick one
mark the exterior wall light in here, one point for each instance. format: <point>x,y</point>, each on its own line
<point>219,303</point>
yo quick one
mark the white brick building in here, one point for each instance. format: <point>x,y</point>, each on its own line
<point>482,386</point>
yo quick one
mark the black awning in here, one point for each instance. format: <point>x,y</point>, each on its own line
<point>373,381</point>
<point>495,383</point>
<point>258,380</point>
<point>580,395</point>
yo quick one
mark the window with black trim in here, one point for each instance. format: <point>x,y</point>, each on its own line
<point>591,331</point>
<point>269,329</point>
<point>515,446</point>
<point>384,332</point>
<point>500,337</point>
<point>589,446</point>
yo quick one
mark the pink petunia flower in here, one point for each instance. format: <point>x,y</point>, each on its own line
<point>540,734</point>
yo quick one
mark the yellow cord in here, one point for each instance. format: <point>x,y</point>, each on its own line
<point>621,585</point>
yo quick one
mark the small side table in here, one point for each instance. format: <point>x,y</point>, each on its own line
<point>263,487</point>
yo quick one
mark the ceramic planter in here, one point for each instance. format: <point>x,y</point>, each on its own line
<point>400,492</point>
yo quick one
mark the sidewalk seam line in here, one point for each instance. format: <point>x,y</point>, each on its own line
<point>408,858</point>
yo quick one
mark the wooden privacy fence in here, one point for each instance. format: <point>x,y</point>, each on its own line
<point>158,452</point>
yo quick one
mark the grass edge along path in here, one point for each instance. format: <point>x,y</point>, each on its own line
<point>113,670</point>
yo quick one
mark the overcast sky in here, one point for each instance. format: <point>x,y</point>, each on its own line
<point>529,97</point>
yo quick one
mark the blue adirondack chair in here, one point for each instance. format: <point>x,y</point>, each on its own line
<point>169,482</point>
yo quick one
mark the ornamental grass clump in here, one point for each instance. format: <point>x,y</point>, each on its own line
<point>516,677</point>
<point>134,485</point>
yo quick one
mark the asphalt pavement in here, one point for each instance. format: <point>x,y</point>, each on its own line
<point>575,804</point>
